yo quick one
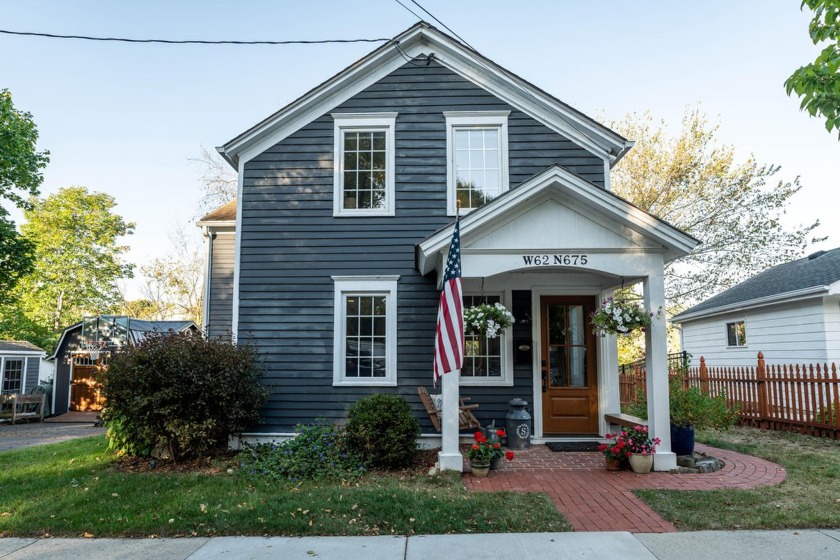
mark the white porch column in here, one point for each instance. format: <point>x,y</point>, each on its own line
<point>450,457</point>
<point>656,352</point>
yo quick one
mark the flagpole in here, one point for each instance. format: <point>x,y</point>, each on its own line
<point>450,458</point>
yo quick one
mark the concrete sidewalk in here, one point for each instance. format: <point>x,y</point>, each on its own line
<point>743,545</point>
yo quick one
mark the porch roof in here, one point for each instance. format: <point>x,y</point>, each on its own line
<point>585,218</point>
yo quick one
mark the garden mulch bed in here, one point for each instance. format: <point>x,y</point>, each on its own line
<point>218,463</point>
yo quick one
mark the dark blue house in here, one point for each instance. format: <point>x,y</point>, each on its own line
<point>329,261</point>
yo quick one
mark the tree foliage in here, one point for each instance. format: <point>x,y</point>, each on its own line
<point>20,177</point>
<point>75,236</point>
<point>20,162</point>
<point>218,180</point>
<point>734,208</point>
<point>818,83</point>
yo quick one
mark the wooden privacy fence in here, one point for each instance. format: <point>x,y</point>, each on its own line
<point>798,397</point>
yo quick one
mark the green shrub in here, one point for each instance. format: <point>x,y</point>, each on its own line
<point>383,430</point>
<point>319,451</point>
<point>690,406</point>
<point>180,394</point>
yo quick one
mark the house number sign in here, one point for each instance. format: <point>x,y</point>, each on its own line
<point>555,260</point>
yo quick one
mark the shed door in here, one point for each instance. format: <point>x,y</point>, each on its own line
<point>569,368</point>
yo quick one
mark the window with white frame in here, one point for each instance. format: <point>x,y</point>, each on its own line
<point>477,157</point>
<point>12,376</point>
<point>365,330</point>
<point>364,164</point>
<point>736,333</point>
<point>485,359</point>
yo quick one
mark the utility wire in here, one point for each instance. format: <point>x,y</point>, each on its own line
<point>431,15</point>
<point>415,14</point>
<point>191,42</point>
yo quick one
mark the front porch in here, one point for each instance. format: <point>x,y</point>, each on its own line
<point>563,245</point>
<point>594,499</point>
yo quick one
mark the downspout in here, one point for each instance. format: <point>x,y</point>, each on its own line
<point>205,300</point>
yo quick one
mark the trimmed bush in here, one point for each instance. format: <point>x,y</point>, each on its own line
<point>383,430</point>
<point>180,394</point>
<point>318,452</point>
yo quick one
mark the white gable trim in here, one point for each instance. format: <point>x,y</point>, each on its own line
<point>417,41</point>
<point>675,242</point>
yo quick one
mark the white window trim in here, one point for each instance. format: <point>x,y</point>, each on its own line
<point>726,333</point>
<point>506,379</point>
<point>475,119</point>
<point>25,366</point>
<point>365,285</point>
<point>361,122</point>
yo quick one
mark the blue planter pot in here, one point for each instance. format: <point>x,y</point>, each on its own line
<point>682,439</point>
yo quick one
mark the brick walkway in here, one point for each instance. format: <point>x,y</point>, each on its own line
<point>594,499</point>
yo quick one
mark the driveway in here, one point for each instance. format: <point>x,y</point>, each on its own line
<point>39,433</point>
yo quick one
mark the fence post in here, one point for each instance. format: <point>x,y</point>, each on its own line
<point>763,404</point>
<point>704,376</point>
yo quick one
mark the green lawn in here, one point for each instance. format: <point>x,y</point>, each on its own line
<point>809,497</point>
<point>72,488</point>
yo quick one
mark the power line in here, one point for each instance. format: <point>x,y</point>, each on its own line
<point>191,41</point>
<point>409,10</point>
<point>431,15</point>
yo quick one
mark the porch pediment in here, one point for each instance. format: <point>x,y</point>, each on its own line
<point>557,211</point>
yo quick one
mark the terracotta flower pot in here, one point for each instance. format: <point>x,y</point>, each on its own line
<point>641,464</point>
<point>479,470</point>
<point>613,464</point>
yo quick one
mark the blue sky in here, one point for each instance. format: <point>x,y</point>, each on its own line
<point>125,118</point>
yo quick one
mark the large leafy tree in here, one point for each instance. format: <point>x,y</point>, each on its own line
<point>818,83</point>
<point>20,176</point>
<point>734,207</point>
<point>78,260</point>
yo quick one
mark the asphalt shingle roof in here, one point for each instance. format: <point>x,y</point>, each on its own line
<point>819,269</point>
<point>18,346</point>
<point>224,213</point>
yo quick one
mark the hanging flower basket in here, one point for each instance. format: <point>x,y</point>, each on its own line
<point>619,317</point>
<point>487,320</point>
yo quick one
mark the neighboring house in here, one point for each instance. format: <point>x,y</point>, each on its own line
<point>86,345</point>
<point>345,210</point>
<point>20,366</point>
<point>790,312</point>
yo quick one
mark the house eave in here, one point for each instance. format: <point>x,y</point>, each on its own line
<point>564,119</point>
<point>786,297</point>
<point>216,223</point>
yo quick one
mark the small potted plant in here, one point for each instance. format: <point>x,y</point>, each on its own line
<point>619,317</point>
<point>483,452</point>
<point>692,409</point>
<point>615,452</point>
<point>487,320</point>
<point>641,448</point>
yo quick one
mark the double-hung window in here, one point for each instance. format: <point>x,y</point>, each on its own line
<point>365,348</point>
<point>485,359</point>
<point>736,333</point>
<point>477,158</point>
<point>12,376</point>
<point>364,164</point>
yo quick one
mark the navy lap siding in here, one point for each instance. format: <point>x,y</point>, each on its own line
<point>291,244</point>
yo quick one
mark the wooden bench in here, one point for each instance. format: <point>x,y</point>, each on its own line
<point>625,420</point>
<point>22,407</point>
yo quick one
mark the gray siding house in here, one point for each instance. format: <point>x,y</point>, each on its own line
<point>20,366</point>
<point>345,209</point>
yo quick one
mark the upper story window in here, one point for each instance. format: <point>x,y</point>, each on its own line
<point>365,330</point>
<point>12,376</point>
<point>736,333</point>
<point>364,164</point>
<point>477,157</point>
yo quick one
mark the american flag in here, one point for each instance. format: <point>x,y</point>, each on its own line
<point>449,335</point>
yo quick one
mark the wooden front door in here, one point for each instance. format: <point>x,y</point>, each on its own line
<point>569,367</point>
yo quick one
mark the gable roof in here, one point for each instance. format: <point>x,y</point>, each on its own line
<point>137,329</point>
<point>424,40</point>
<point>225,213</point>
<point>803,277</point>
<point>674,241</point>
<point>19,346</point>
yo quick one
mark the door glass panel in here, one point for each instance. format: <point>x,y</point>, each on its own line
<point>566,345</point>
